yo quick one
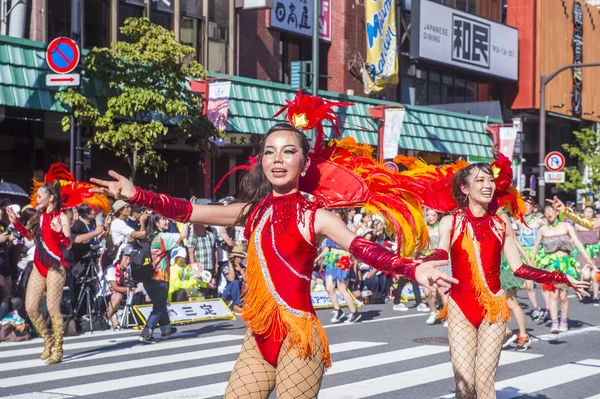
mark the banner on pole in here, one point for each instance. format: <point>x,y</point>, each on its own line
<point>382,52</point>
<point>392,128</point>
<point>508,138</point>
<point>218,104</point>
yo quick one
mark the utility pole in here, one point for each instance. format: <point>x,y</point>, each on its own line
<point>544,80</point>
<point>76,148</point>
<point>315,47</point>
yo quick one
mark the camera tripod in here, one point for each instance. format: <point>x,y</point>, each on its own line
<point>129,313</point>
<point>89,281</point>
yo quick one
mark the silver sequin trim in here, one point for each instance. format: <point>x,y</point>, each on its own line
<point>265,270</point>
<point>281,257</point>
<point>479,263</point>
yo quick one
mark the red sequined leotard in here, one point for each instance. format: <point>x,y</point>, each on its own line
<point>48,243</point>
<point>277,301</point>
<point>475,256</point>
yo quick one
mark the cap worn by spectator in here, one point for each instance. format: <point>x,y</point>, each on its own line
<point>358,218</point>
<point>178,252</point>
<point>118,205</point>
<point>127,250</point>
<point>570,203</point>
<point>238,251</point>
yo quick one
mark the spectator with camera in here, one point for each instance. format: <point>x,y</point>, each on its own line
<point>5,268</point>
<point>115,285</point>
<point>235,275</point>
<point>120,232</point>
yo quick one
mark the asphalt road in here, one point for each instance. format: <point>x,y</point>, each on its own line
<point>389,354</point>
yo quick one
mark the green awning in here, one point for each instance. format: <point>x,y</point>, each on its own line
<point>253,102</point>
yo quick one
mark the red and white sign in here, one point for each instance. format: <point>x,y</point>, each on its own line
<point>555,161</point>
<point>391,166</point>
<point>508,138</point>
<point>325,20</point>
<point>62,79</point>
<point>62,55</point>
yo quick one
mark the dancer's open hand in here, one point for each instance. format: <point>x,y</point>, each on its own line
<point>121,188</point>
<point>557,204</point>
<point>580,287</point>
<point>427,275</point>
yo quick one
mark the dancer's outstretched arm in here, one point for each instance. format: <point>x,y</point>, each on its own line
<point>568,212</point>
<point>330,226</point>
<point>169,207</point>
<point>511,253</point>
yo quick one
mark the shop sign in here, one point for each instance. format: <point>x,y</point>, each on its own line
<point>242,140</point>
<point>444,35</point>
<point>320,299</point>
<point>297,16</point>
<point>577,43</point>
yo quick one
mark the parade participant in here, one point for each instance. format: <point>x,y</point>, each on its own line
<point>589,239</point>
<point>558,240</point>
<point>476,237</point>
<point>50,228</point>
<point>528,230</point>
<point>285,347</point>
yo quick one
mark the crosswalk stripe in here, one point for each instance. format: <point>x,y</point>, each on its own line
<point>575,331</point>
<point>548,378</point>
<point>37,395</point>
<point>175,375</point>
<point>543,379</point>
<point>341,366</point>
<point>594,397</point>
<point>137,349</point>
<point>406,379</point>
<point>86,335</point>
<point>154,361</point>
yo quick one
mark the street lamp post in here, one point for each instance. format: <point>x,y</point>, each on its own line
<point>544,80</point>
<point>315,48</point>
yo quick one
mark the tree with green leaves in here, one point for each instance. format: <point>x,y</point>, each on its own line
<point>585,150</point>
<point>147,101</point>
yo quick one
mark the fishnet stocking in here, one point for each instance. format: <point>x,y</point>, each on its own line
<point>474,354</point>
<point>36,288</point>
<point>462,337</point>
<point>252,376</point>
<point>489,346</point>
<point>300,378</point>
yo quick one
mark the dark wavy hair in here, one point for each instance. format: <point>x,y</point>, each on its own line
<point>52,188</point>
<point>151,229</point>
<point>84,210</point>
<point>255,186</point>
<point>461,178</point>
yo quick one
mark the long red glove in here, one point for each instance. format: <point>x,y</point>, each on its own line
<point>541,276</point>
<point>169,207</point>
<point>21,229</point>
<point>380,258</point>
<point>438,254</point>
<point>64,241</point>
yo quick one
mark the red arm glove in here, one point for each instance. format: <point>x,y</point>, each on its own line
<point>380,258</point>
<point>541,276</point>
<point>438,254</point>
<point>63,240</point>
<point>169,207</point>
<point>21,229</point>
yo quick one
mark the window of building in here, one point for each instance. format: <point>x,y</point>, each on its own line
<point>95,23</point>
<point>59,19</point>
<point>447,90</point>
<point>129,9</point>
<point>471,92</point>
<point>434,88</point>
<point>460,91</point>
<point>161,13</point>
<point>461,5</point>
<point>421,87</point>
<point>218,35</point>
<point>190,27</point>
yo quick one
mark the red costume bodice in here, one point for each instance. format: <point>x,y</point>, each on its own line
<point>473,259</point>
<point>277,301</point>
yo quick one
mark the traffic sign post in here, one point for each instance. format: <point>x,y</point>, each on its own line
<point>554,161</point>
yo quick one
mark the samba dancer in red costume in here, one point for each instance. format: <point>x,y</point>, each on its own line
<point>51,231</point>
<point>285,347</point>
<point>476,237</point>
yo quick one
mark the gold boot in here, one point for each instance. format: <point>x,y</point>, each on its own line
<point>40,325</point>
<point>57,347</point>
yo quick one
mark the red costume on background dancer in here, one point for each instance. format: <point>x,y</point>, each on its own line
<point>285,346</point>
<point>476,237</point>
<point>50,229</point>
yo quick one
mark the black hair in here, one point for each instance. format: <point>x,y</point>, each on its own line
<point>461,178</point>
<point>151,229</point>
<point>84,210</point>
<point>255,186</point>
<point>52,188</point>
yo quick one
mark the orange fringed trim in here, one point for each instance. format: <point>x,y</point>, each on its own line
<point>263,314</point>
<point>496,307</point>
<point>443,313</point>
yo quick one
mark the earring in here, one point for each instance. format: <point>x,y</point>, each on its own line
<point>303,173</point>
